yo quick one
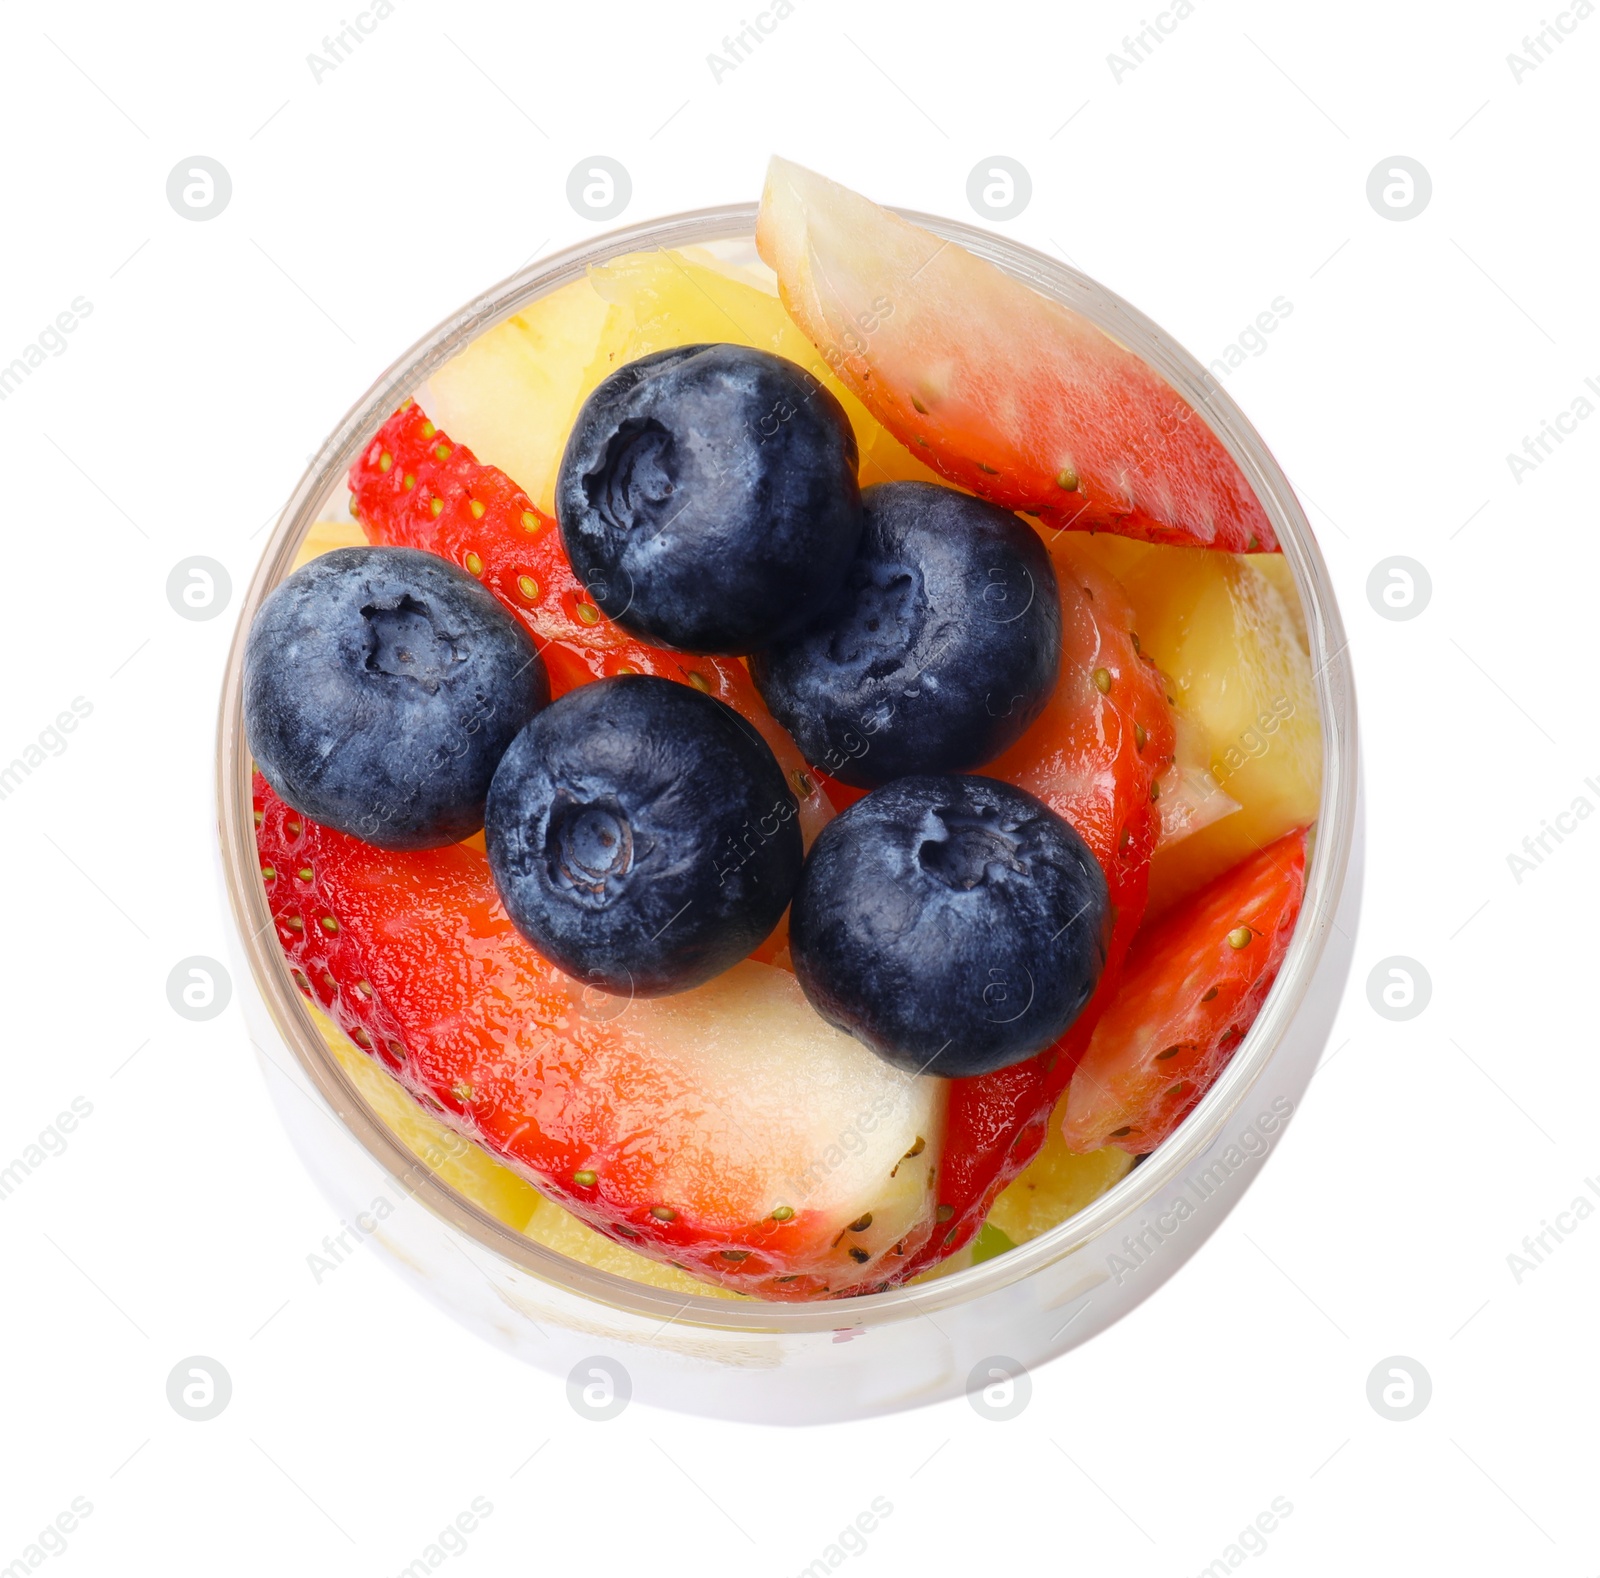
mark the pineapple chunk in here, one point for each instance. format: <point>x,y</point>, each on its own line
<point>511,395</point>
<point>325,536</point>
<point>1222,632</point>
<point>1119,555</point>
<point>1055,1185</point>
<point>505,1195</point>
<point>514,393</point>
<point>1276,569</point>
<point>558,1229</point>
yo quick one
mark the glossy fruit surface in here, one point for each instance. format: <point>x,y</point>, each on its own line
<point>954,924</point>
<point>467,1168</point>
<point>414,485</point>
<point>642,836</point>
<point>727,1128</point>
<point>1193,985</point>
<point>1096,756</point>
<point>708,497</point>
<point>381,687</point>
<point>1056,1184</point>
<point>655,300</point>
<point>936,654</point>
<point>1001,390</point>
<point>1227,641</point>
<point>514,392</point>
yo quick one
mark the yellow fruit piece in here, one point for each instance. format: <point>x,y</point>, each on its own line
<point>454,1160</point>
<point>505,1195</point>
<point>1276,569</point>
<point>513,394</point>
<point>749,268</point>
<point>961,1260</point>
<point>325,536</point>
<point>1119,556</point>
<point>1189,797</point>
<point>1055,1185</point>
<point>674,299</point>
<point>558,1229</point>
<point>1221,632</point>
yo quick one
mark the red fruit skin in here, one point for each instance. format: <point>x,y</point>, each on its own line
<point>413,956</point>
<point>1084,759</point>
<point>1187,997</point>
<point>1174,436</point>
<point>413,487</point>
<point>1081,756</point>
<point>841,796</point>
<point>993,384</point>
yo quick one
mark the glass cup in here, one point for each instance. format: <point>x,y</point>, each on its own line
<point>613,1338</point>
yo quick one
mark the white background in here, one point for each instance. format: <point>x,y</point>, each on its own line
<point>1227,170</point>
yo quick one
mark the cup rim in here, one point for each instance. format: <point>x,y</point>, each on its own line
<point>1327,868</point>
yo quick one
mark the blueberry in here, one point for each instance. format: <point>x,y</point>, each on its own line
<point>708,498</point>
<point>642,836</point>
<point>381,687</point>
<point>954,924</point>
<point>938,652</point>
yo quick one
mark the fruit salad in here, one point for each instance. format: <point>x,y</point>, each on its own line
<point>798,768</point>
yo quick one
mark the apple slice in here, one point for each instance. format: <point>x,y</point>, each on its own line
<point>1001,390</point>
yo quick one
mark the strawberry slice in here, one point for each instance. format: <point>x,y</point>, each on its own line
<point>415,488</point>
<point>1000,389</point>
<point>1193,984</point>
<point>728,1129</point>
<point>1095,756</point>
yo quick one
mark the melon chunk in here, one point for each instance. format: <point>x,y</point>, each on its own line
<point>774,1107</point>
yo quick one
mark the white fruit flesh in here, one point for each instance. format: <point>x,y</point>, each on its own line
<point>780,1109</point>
<point>787,1111</point>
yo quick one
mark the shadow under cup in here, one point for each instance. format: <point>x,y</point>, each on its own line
<point>839,1359</point>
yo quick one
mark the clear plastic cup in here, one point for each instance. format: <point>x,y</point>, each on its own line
<point>835,1359</point>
